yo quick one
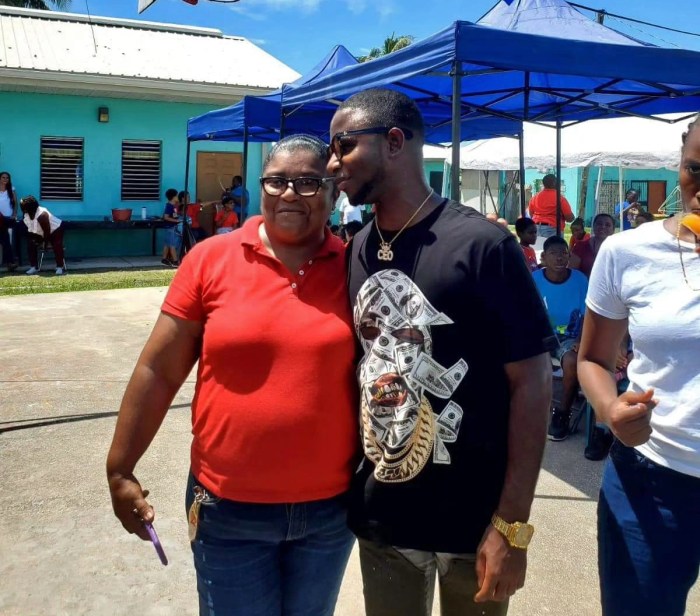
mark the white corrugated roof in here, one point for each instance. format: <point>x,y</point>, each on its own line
<point>35,43</point>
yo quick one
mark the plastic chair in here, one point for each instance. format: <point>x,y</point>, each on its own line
<point>41,252</point>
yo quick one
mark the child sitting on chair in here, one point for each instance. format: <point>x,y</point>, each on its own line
<point>563,292</point>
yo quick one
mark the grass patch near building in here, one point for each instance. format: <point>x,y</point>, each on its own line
<point>92,280</point>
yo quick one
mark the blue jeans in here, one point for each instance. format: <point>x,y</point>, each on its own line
<point>270,559</point>
<point>648,539</point>
<point>546,230</point>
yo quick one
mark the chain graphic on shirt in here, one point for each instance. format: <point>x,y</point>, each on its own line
<point>393,320</point>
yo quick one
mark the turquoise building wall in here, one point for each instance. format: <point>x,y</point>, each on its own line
<point>29,116</point>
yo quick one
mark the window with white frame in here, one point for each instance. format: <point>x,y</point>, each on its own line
<point>141,167</point>
<point>61,173</point>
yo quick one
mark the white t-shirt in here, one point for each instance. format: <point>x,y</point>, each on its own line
<point>5,204</point>
<point>638,275</point>
<point>33,226</point>
<point>349,212</point>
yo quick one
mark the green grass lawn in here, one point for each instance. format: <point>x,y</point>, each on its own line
<point>92,280</point>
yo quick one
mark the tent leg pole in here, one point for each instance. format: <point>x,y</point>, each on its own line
<point>521,171</point>
<point>186,233</point>
<point>456,129</point>
<point>244,173</point>
<point>621,197</point>
<point>558,177</point>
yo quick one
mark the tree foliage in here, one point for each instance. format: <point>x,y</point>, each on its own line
<point>391,44</point>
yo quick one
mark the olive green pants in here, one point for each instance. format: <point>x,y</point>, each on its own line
<point>399,582</point>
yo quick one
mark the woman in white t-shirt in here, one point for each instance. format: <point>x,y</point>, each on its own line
<point>8,213</point>
<point>648,279</point>
<point>44,228</point>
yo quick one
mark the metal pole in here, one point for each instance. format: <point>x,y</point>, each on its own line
<point>456,129</point>
<point>186,233</point>
<point>558,176</point>
<point>244,174</point>
<point>521,153</point>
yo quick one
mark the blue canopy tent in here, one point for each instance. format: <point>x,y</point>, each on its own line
<point>479,71</point>
<point>257,118</point>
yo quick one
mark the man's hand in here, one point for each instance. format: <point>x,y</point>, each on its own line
<point>629,417</point>
<point>500,569</point>
<point>130,505</point>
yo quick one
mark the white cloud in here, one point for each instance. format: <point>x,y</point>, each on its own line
<point>386,9</point>
<point>356,6</point>
<point>250,8</point>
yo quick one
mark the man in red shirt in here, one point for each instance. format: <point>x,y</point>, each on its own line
<point>543,208</point>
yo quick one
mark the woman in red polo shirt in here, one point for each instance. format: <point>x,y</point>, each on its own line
<point>265,311</point>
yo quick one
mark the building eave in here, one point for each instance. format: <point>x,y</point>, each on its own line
<point>53,82</point>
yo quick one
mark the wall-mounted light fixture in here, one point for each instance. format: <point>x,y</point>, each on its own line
<point>103,114</point>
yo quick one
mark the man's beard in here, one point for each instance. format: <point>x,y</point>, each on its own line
<point>366,192</point>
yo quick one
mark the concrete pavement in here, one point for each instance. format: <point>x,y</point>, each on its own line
<point>66,359</point>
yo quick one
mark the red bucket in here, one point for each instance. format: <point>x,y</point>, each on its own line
<point>121,214</point>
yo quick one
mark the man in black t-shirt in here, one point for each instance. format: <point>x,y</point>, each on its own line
<point>455,378</point>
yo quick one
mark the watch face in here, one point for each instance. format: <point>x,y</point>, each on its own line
<point>523,535</point>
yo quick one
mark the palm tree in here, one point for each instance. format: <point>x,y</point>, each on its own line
<point>58,5</point>
<point>391,44</point>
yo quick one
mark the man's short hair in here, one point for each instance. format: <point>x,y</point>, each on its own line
<point>384,107</point>
<point>549,180</point>
<point>553,241</point>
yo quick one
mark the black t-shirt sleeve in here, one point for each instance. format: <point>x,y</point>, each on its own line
<point>513,300</point>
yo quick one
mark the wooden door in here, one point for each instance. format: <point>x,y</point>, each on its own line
<point>656,195</point>
<point>214,173</point>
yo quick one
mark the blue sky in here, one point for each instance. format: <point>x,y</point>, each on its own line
<point>301,32</point>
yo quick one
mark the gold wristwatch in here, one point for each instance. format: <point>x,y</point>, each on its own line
<point>518,534</point>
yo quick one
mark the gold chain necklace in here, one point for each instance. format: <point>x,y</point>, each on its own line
<point>385,253</point>
<point>680,254</point>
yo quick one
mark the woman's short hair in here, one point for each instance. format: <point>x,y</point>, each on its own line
<point>310,143</point>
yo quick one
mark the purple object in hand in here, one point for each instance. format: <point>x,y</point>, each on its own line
<point>156,542</point>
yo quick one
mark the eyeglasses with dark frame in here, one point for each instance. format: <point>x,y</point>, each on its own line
<point>341,145</point>
<point>303,186</point>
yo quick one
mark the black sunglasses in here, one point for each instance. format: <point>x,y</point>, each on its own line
<point>303,186</point>
<point>341,145</point>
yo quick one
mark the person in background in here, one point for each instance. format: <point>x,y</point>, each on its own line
<point>271,459</point>
<point>563,292</point>
<point>543,208</point>
<point>585,252</point>
<point>450,324</point>
<point>43,228</point>
<point>241,197</point>
<point>643,217</point>
<point>226,219</point>
<point>172,239</point>
<point>502,221</point>
<point>649,503</point>
<point>578,233</point>
<point>630,209</point>
<point>526,230</point>
<point>8,219</point>
<point>349,212</point>
<point>350,229</point>
<point>492,216</point>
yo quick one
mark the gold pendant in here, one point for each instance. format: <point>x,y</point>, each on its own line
<point>385,253</point>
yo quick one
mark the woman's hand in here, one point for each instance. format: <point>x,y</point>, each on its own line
<point>130,505</point>
<point>629,417</point>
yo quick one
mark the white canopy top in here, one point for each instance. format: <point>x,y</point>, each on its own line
<point>634,143</point>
